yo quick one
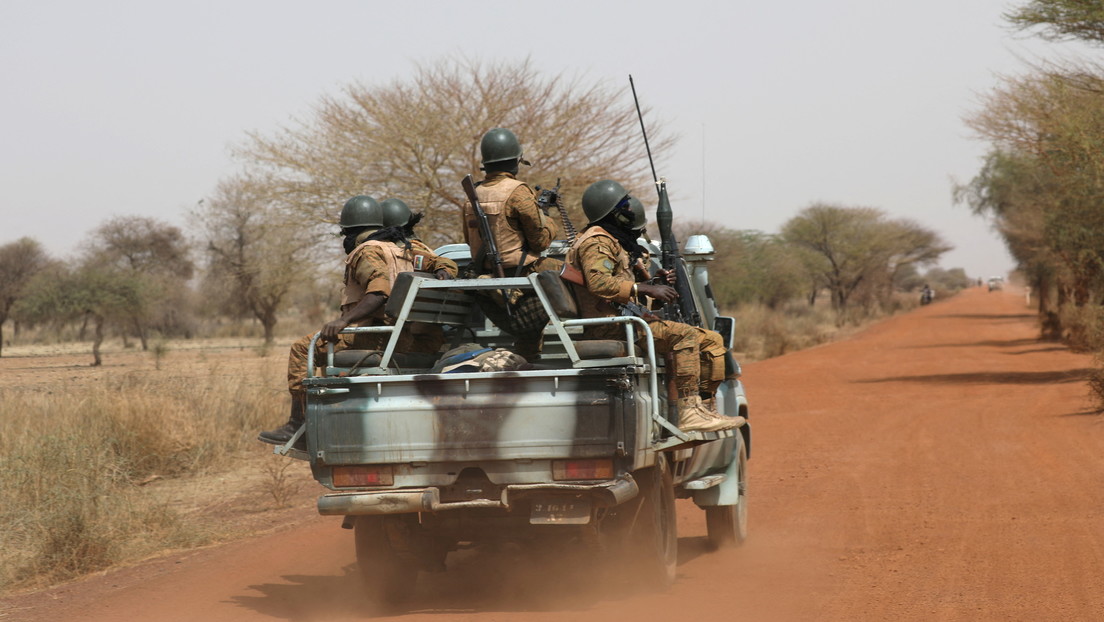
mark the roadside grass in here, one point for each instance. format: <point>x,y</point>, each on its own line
<point>73,465</point>
<point>762,332</point>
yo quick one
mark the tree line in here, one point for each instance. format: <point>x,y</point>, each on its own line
<point>1042,181</point>
<point>260,243</point>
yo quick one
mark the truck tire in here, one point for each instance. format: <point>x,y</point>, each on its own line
<point>727,525</point>
<point>654,536</point>
<point>388,577</point>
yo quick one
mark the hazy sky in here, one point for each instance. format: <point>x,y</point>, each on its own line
<point>118,108</point>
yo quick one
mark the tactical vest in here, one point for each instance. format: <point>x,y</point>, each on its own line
<point>509,241</point>
<point>398,260</point>
<point>589,304</point>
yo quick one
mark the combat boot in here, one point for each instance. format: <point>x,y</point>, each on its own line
<point>710,404</point>
<point>693,416</point>
<point>283,434</point>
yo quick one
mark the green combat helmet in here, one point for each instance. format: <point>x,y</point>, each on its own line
<point>361,211</point>
<point>640,219</point>
<point>395,212</point>
<point>500,145</point>
<point>601,197</point>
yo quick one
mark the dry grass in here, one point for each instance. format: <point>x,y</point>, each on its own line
<point>764,333</point>
<point>75,457</point>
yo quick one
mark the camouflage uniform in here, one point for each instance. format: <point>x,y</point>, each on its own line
<point>521,231</point>
<point>371,268</point>
<point>520,228</point>
<point>698,353</point>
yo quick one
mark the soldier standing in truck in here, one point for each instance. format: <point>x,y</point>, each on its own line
<point>375,255</point>
<point>521,230</point>
<point>604,253</point>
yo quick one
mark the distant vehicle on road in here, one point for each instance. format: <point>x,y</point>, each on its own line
<point>926,295</point>
<point>996,282</point>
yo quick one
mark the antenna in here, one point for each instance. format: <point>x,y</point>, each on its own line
<point>643,131</point>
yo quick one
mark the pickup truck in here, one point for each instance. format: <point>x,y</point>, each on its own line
<point>579,448</point>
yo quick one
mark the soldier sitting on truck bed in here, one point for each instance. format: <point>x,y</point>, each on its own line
<point>712,349</point>
<point>378,249</point>
<point>521,230</point>
<point>604,253</point>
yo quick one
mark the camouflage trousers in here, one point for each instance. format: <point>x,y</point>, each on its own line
<point>526,318</point>
<point>415,337</point>
<point>698,353</point>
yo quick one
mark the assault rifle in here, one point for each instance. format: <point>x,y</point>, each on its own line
<point>489,249</point>
<point>683,310</point>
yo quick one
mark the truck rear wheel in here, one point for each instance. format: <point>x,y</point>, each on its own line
<point>388,576</point>
<point>727,524</point>
<point>654,537</point>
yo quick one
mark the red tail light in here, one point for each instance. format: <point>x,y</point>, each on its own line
<point>601,468</point>
<point>361,476</point>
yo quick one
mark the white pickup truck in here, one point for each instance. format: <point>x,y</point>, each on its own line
<point>579,448</point>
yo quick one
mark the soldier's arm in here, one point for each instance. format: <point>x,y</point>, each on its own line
<point>363,309</point>
<point>368,269</point>
<point>537,228</point>
<point>436,263</point>
<point>598,257</point>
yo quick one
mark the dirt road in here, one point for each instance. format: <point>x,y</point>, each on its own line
<point>942,465</point>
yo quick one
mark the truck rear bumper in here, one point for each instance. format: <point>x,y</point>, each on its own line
<point>607,493</point>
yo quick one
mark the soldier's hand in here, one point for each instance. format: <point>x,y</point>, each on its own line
<point>666,275</point>
<point>332,329</point>
<point>662,293</point>
<point>443,275</point>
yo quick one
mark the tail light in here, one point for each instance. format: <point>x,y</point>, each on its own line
<point>361,476</point>
<point>601,468</point>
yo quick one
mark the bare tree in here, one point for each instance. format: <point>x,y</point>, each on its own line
<point>256,252</point>
<point>19,262</point>
<point>416,139</point>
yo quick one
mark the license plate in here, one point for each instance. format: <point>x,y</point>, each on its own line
<point>560,511</point>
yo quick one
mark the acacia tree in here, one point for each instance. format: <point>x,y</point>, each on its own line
<point>417,138</point>
<point>847,247</point>
<point>92,291</point>
<point>1044,182</point>
<point>750,267</point>
<point>19,262</point>
<point>155,257</point>
<point>256,254</point>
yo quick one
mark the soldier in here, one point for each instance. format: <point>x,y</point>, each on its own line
<point>375,255</point>
<point>521,231</point>
<point>604,253</point>
<point>712,349</point>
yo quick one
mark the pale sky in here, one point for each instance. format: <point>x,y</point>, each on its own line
<point>129,108</point>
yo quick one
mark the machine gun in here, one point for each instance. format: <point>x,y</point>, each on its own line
<point>546,199</point>
<point>684,309</point>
